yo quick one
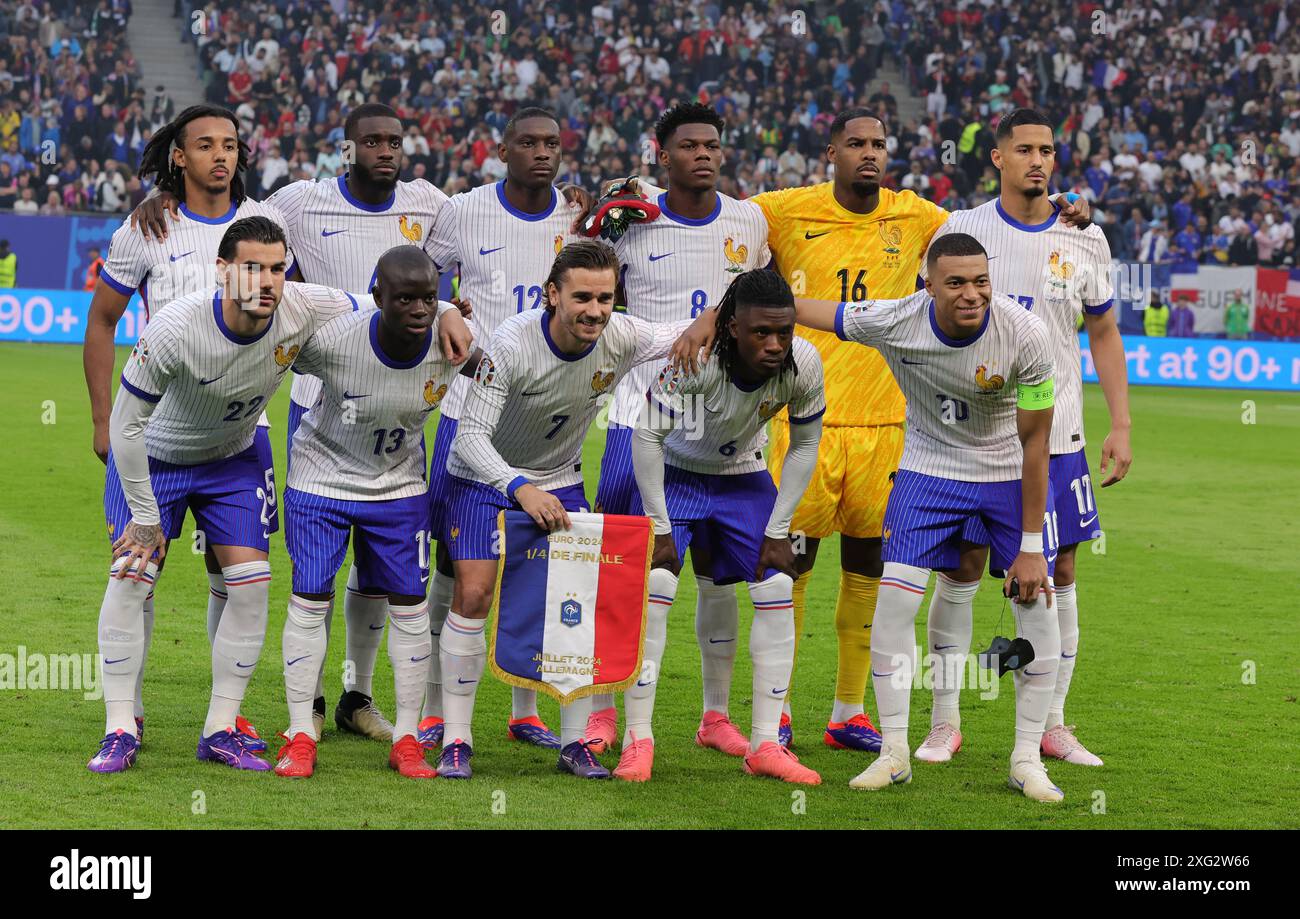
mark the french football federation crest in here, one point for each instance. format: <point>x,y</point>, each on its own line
<point>485,372</point>
<point>455,531</point>
<point>601,381</point>
<point>892,237</point>
<point>285,358</point>
<point>986,383</point>
<point>1059,272</point>
<point>411,230</point>
<point>571,612</point>
<point>736,255</point>
<point>769,407</point>
<point>433,396</point>
<point>559,243</point>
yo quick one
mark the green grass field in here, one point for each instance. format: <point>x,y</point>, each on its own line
<point>1186,684</point>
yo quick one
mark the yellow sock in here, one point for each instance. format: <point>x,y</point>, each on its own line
<point>800,600</point>
<point>854,611</point>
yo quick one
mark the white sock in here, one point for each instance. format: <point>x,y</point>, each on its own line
<point>320,669</point>
<point>216,602</point>
<point>439,604</point>
<point>639,698</point>
<point>122,643</point>
<point>843,711</point>
<point>364,615</point>
<point>771,649</point>
<point>238,642</point>
<point>147,609</point>
<point>601,701</point>
<point>573,720</point>
<point>948,629</point>
<point>717,624</point>
<point>523,702</point>
<point>1066,602</point>
<point>893,646</point>
<point>464,653</point>
<point>1035,681</point>
<point>409,648</point>
<point>303,644</point>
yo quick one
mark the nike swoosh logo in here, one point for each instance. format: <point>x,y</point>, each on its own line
<point>416,660</point>
<point>376,628</point>
<point>1019,784</point>
<point>348,395</point>
<point>906,361</point>
<point>183,254</point>
<point>483,251</point>
<point>537,393</point>
<point>1069,656</point>
<point>807,235</point>
<point>655,258</point>
<point>296,659</point>
<point>213,380</point>
<point>1092,519</point>
<point>943,647</point>
<point>720,641</point>
<point>873,673</point>
<point>639,683</point>
<point>1031,673</point>
<point>266,534</point>
<point>777,692</point>
<point>895,776</point>
<point>245,666</point>
<point>325,233</point>
<point>465,682</point>
<point>119,660</point>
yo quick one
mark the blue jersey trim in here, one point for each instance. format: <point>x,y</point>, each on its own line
<point>524,215</point>
<point>810,418</point>
<point>115,284</point>
<point>211,221</point>
<point>839,322</point>
<point>555,349</point>
<point>958,342</point>
<point>388,361</point>
<point>1098,309</point>
<point>688,221</point>
<point>1027,227</point>
<point>226,330</point>
<point>137,391</point>
<point>358,203</point>
<point>515,484</point>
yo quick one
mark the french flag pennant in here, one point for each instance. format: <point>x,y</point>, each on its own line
<point>570,605</point>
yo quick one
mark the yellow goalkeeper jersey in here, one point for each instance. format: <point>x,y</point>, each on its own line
<point>826,252</point>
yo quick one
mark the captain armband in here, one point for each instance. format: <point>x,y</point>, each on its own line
<point>1037,397</point>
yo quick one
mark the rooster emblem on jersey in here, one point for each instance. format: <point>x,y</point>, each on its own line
<point>559,243</point>
<point>433,396</point>
<point>1059,267</point>
<point>285,358</point>
<point>891,236</point>
<point>412,231</point>
<point>736,255</point>
<point>769,407</point>
<point>601,381</point>
<point>988,384</point>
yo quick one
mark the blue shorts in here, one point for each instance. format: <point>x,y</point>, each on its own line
<point>472,516</point>
<point>390,542</point>
<point>928,517</point>
<point>617,492</point>
<point>296,412</point>
<point>439,492</point>
<point>232,499</point>
<point>722,517</point>
<point>1070,498</point>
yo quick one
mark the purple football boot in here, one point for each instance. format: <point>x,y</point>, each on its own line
<point>577,759</point>
<point>228,747</point>
<point>117,753</point>
<point>139,728</point>
<point>454,761</point>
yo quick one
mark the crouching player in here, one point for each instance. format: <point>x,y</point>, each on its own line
<point>358,470</point>
<point>976,370</point>
<point>519,445</point>
<point>182,438</point>
<point>716,494</point>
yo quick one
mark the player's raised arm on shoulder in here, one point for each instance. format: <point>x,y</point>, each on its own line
<point>455,337</point>
<point>822,315</point>
<point>443,243</point>
<point>151,215</point>
<point>655,340</point>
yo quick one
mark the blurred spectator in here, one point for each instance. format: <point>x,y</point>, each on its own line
<point>26,204</point>
<point>1155,318</point>
<point>1236,317</point>
<point>1182,320</point>
<point>93,269</point>
<point>8,266</point>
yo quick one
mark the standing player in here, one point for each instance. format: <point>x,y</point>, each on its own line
<point>674,268</point>
<point>504,237</point>
<point>715,492</point>
<point>977,372</point>
<point>519,444</point>
<point>182,436</point>
<point>1058,273</point>
<point>359,472</point>
<point>199,160</point>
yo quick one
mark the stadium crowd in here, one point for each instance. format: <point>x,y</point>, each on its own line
<point>1180,121</point>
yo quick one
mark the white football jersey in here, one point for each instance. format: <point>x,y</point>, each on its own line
<point>530,404</point>
<point>961,393</point>
<point>337,240</point>
<point>183,263</point>
<point>675,268</point>
<point>720,424</point>
<point>363,440</point>
<point>505,256</point>
<point>211,384</point>
<point>1056,271</point>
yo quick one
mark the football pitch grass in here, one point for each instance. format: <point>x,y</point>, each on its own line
<point>1186,686</point>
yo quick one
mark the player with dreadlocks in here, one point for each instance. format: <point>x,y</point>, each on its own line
<point>200,158</point>
<point>698,458</point>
